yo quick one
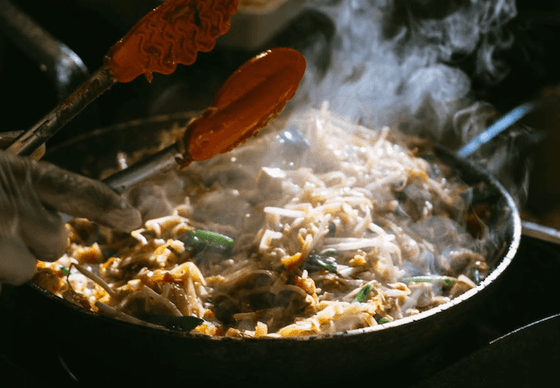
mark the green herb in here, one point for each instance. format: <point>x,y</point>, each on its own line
<point>321,260</point>
<point>329,264</point>
<point>65,270</point>
<point>384,320</point>
<point>204,240</point>
<point>363,293</point>
<point>317,262</point>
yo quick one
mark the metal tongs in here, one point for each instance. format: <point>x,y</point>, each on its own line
<point>125,61</point>
<point>256,93</point>
<point>138,52</point>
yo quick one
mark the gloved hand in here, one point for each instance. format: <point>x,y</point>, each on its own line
<point>31,195</point>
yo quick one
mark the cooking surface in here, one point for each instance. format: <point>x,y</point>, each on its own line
<point>526,294</point>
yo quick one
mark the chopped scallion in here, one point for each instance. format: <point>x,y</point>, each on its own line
<point>320,261</point>
<point>363,293</point>
<point>204,240</point>
<point>65,270</point>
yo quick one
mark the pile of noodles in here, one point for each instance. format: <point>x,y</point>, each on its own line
<point>335,227</point>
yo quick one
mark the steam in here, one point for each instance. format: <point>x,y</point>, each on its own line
<point>410,64</point>
<point>390,57</point>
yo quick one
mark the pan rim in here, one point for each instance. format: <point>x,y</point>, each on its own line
<point>502,264</point>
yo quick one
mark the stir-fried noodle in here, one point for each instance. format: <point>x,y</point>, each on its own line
<point>330,227</point>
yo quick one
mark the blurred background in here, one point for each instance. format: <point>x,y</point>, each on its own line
<point>442,68</point>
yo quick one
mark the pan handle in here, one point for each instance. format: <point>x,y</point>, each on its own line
<point>541,232</point>
<point>529,229</point>
<point>63,66</point>
<point>498,127</point>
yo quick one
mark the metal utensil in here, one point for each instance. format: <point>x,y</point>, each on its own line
<point>541,232</point>
<point>148,47</point>
<point>6,138</point>
<point>158,163</point>
<point>501,125</point>
<point>252,96</point>
<point>27,142</point>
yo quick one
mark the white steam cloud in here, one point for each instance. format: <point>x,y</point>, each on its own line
<point>393,59</point>
<point>404,63</point>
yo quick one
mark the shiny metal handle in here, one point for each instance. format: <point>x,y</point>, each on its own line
<point>160,162</point>
<point>44,129</point>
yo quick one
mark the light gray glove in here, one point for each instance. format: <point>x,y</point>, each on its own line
<point>31,195</point>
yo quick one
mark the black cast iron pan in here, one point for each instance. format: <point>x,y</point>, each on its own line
<point>101,350</point>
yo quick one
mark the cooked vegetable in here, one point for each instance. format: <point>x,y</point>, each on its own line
<point>65,270</point>
<point>204,240</point>
<point>323,260</point>
<point>363,293</point>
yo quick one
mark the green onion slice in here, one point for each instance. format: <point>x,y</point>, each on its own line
<point>363,293</point>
